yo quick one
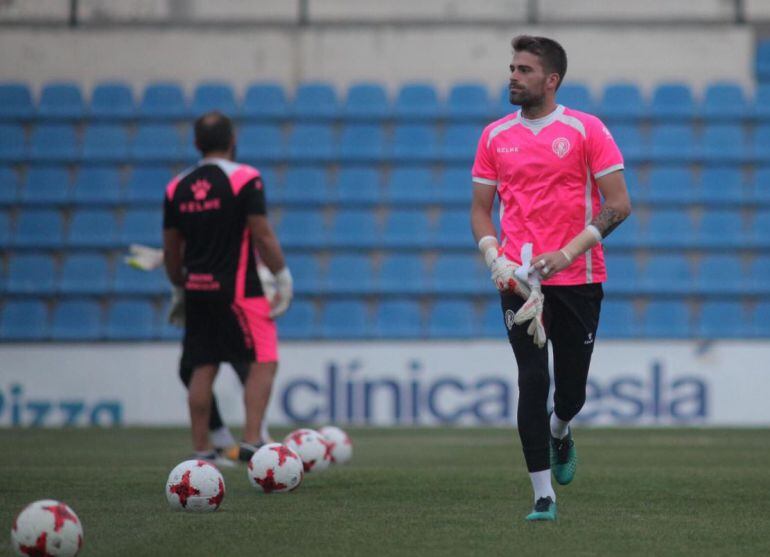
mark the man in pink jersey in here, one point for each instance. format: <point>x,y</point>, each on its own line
<point>214,228</point>
<point>550,166</point>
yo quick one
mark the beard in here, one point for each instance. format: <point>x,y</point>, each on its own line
<point>525,98</point>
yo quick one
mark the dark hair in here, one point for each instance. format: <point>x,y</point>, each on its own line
<point>213,132</point>
<point>551,53</point>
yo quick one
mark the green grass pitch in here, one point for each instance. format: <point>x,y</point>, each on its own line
<point>409,492</point>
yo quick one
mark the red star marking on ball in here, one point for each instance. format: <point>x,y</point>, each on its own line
<point>268,483</point>
<point>297,437</point>
<point>183,489</point>
<point>202,463</point>
<point>217,499</point>
<point>61,514</point>
<point>283,454</point>
<point>38,550</point>
<point>308,465</point>
<point>329,448</point>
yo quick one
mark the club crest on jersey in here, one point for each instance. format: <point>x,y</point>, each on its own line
<point>560,146</point>
<point>200,189</point>
<point>509,315</point>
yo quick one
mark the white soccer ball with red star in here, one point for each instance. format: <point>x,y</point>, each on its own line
<point>341,446</point>
<point>311,447</point>
<point>47,528</point>
<point>275,468</point>
<point>195,485</point>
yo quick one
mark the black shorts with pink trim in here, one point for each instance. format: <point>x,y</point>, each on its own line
<point>218,329</point>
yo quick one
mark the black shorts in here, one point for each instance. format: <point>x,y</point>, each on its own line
<point>220,330</point>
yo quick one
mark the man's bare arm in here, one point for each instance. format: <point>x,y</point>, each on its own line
<point>616,206</point>
<point>173,246</point>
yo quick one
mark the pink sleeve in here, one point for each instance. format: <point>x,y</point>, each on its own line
<point>603,154</point>
<point>484,169</point>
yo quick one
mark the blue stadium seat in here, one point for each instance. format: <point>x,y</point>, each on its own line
<point>147,185</point>
<point>721,228</point>
<point>724,101</point>
<point>666,274</point>
<point>575,96</point>
<point>721,319</point>
<point>358,186</point>
<point>163,101</point>
<point>720,275</point>
<point>315,101</point>
<point>97,185</point>
<point>492,323</point>
<point>15,102</point>
<point>345,319</point>
<point>399,318</point>
<point>723,144</point>
<point>261,143</point>
<point>366,102</point>
<point>454,187</point>
<point>757,279</point>
<point>77,320</point>
<point>214,96</point>
<point>61,101</point>
<point>414,143</point>
<point>158,143</point>
<point>299,322</point>
<point>623,273</point>
<point>459,143</point>
<point>405,228</point>
<point>302,229</point>
<point>402,274</point>
<point>354,228</point>
<point>666,320</point>
<point>410,185</point>
<point>630,141</point>
<point>348,274</point>
<point>31,274</point>
<point>417,101</point>
<point>760,186</point>
<point>671,185</point>
<point>84,274</point>
<point>142,226</point>
<point>721,185</point>
<point>130,320</point>
<point>672,101</point>
<point>312,143</point>
<point>13,143</point>
<point>305,186</point>
<point>617,319</point>
<point>93,228</point>
<point>54,143</point>
<point>626,236</point>
<point>46,185</point>
<point>9,186</point>
<point>759,144</point>
<point>762,60</point>
<point>760,107</point>
<point>672,143</point>
<point>306,274</point>
<point>362,143</point>
<point>452,319</point>
<point>503,105</point>
<point>453,230</point>
<point>669,228</point>
<point>760,230</point>
<point>264,101</point>
<point>112,101</point>
<point>468,101</point>
<point>24,320</point>
<point>105,143</point>
<point>5,230</point>
<point>458,274</point>
<point>622,102</point>
<point>758,321</point>
<point>130,281</point>
<point>38,228</point>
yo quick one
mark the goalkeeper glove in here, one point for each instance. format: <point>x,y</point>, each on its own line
<point>532,310</point>
<point>502,269</point>
<point>144,258</point>
<point>176,309</point>
<point>284,290</point>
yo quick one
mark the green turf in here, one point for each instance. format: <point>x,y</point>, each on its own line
<point>410,492</point>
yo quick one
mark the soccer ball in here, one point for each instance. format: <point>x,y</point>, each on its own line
<point>195,485</point>
<point>341,447</point>
<point>311,447</point>
<point>47,527</point>
<point>275,468</point>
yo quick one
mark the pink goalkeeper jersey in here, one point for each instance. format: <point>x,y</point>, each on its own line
<point>545,172</point>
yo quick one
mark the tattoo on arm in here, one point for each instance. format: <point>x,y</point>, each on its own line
<point>607,220</point>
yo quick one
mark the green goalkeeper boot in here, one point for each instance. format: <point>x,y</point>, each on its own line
<point>563,458</point>
<point>545,509</point>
